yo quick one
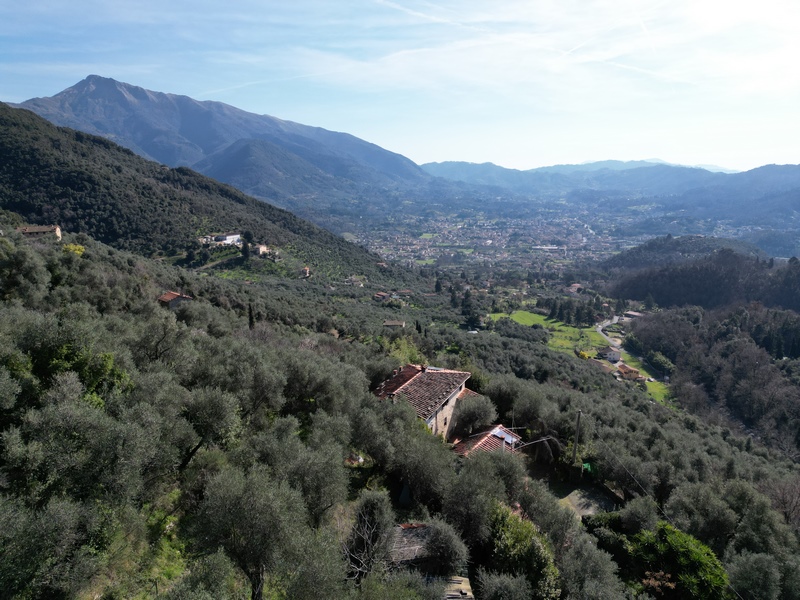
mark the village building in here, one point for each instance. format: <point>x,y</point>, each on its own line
<point>610,354</point>
<point>431,391</point>
<point>38,231</point>
<point>629,373</point>
<point>494,438</point>
<point>228,239</point>
<point>409,550</point>
<point>394,324</point>
<point>172,300</point>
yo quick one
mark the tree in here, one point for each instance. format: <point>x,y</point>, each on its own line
<point>50,553</point>
<point>501,586</point>
<point>472,413</point>
<point>519,548</point>
<point>588,572</point>
<point>755,576</point>
<point>256,520</point>
<point>448,554</point>
<point>213,415</point>
<point>371,536</point>
<point>677,565</point>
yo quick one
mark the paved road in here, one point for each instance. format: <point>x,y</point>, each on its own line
<point>612,341</point>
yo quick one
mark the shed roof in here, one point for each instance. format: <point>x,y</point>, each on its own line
<point>170,296</point>
<point>495,437</point>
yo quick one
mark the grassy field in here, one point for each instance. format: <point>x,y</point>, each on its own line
<point>566,338</point>
<point>563,337</point>
<point>657,390</point>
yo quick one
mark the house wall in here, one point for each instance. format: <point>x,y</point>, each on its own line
<point>441,421</point>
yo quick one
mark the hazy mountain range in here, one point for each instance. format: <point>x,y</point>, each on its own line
<point>344,183</point>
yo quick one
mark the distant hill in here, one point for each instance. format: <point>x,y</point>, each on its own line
<point>669,250</point>
<point>89,184</point>
<point>768,196</point>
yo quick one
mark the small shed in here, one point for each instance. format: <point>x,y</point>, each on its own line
<point>172,300</point>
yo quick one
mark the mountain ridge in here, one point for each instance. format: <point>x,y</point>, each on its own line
<point>89,184</point>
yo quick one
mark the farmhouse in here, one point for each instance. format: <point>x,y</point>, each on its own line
<point>394,324</point>
<point>228,239</point>
<point>37,231</point>
<point>172,300</point>
<point>629,373</point>
<point>432,392</point>
<point>610,354</point>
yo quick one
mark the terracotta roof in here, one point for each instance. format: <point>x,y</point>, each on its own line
<point>390,323</point>
<point>170,296</point>
<point>603,365</point>
<point>492,438</point>
<point>399,378</point>
<point>426,389</point>
<point>623,368</point>
<point>38,229</point>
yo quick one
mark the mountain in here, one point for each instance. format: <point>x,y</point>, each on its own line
<point>88,184</point>
<point>765,196</point>
<point>179,131</point>
<point>637,177</point>
<point>286,163</point>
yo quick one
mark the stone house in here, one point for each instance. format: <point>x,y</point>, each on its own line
<point>37,231</point>
<point>431,391</point>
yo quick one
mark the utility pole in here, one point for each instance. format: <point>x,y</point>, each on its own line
<point>577,437</point>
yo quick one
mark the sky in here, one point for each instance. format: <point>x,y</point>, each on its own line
<point>521,84</point>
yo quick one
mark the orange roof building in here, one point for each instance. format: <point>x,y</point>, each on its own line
<point>490,439</point>
<point>432,393</point>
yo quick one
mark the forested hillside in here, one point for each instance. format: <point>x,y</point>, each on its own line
<point>667,250</point>
<point>233,447</point>
<point>88,184</point>
<point>202,453</point>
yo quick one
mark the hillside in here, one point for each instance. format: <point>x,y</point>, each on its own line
<point>179,131</point>
<point>89,184</point>
<point>147,448</point>
<point>767,196</point>
<point>331,178</point>
<point>668,250</point>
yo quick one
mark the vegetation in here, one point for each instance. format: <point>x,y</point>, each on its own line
<point>232,446</point>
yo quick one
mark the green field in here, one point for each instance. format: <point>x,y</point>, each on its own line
<point>566,338</point>
<point>657,390</point>
<point>427,236</point>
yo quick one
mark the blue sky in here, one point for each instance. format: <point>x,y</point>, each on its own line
<point>519,83</point>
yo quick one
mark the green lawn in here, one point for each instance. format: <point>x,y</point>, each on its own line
<point>427,236</point>
<point>657,390</point>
